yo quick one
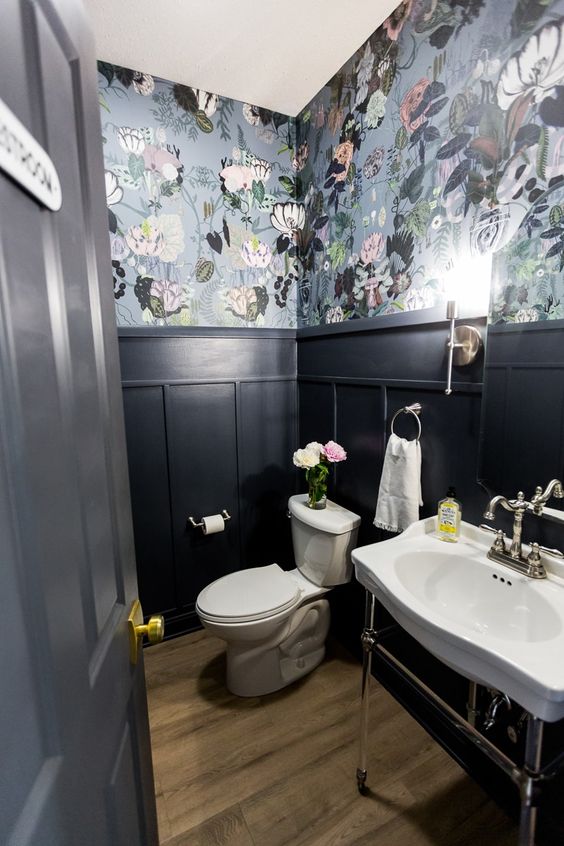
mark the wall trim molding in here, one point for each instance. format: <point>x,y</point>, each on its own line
<point>415,384</point>
<point>125,332</point>
<point>423,316</point>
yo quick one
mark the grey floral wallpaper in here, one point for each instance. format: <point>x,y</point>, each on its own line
<point>201,193</point>
<point>427,152</point>
<point>432,163</point>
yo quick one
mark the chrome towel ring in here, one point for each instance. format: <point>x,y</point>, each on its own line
<point>414,409</point>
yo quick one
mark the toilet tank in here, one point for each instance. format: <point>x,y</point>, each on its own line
<point>323,541</point>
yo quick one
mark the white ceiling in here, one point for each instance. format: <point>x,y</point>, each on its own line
<point>271,53</point>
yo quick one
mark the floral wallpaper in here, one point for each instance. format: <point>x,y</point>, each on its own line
<point>527,279</point>
<point>426,154</point>
<point>202,204</point>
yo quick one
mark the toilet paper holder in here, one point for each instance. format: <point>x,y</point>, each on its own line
<point>200,525</point>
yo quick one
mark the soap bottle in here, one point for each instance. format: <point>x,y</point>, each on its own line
<point>448,517</point>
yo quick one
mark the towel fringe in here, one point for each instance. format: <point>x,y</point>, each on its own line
<point>387,528</point>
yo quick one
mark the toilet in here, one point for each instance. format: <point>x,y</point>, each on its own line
<point>275,622</point>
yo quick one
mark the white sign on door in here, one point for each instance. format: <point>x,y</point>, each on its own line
<point>26,162</point>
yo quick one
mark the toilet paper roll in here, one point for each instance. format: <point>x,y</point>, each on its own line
<point>213,524</point>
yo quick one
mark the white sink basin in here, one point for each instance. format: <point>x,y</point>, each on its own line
<point>487,622</point>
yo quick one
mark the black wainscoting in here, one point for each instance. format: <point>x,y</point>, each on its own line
<point>211,423</point>
<point>523,437</point>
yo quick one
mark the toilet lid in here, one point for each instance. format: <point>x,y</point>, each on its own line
<point>247,595</point>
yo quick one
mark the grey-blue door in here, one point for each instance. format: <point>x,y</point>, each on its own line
<point>75,766</point>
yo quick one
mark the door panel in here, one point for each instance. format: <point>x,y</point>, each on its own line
<point>68,570</point>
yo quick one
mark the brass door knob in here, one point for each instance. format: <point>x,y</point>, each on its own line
<point>154,629</point>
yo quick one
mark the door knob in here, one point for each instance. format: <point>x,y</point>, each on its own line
<point>154,629</point>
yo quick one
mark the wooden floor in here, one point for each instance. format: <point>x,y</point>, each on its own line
<point>280,769</point>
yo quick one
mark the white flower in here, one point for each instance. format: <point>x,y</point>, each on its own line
<point>363,74</point>
<point>207,103</point>
<point>114,192</point>
<point>308,457</point>
<point>376,109</point>
<point>143,83</point>
<point>170,226</point>
<point>160,136</point>
<point>382,216</point>
<point>256,253</point>
<point>334,314</point>
<point>536,68</point>
<point>236,154</point>
<point>526,315</point>
<point>131,140</point>
<point>169,171</point>
<point>288,217</point>
<point>261,169</point>
<point>437,221</point>
<point>251,114</point>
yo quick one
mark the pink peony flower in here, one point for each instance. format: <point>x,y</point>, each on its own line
<point>394,24</point>
<point>372,248</point>
<point>237,177</point>
<point>334,452</point>
<point>411,102</point>
<point>169,293</point>
<point>372,291</point>
<point>156,160</point>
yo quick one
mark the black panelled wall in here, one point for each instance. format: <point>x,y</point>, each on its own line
<point>211,422</point>
<point>351,381</point>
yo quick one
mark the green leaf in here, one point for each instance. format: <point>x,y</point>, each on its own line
<point>136,166</point>
<point>291,186</point>
<point>542,154</point>
<point>401,138</point>
<point>455,145</point>
<point>169,188</point>
<point>156,307</point>
<point>555,215</point>
<point>185,98</point>
<point>203,121</point>
<point>412,185</point>
<point>417,220</point>
<point>337,252</point>
<point>107,70</point>
<point>258,190</point>
<point>342,222</point>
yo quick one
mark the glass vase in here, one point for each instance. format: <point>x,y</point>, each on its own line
<point>316,496</point>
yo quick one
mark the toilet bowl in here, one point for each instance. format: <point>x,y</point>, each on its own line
<point>275,622</point>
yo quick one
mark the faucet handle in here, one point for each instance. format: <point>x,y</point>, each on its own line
<point>499,542</point>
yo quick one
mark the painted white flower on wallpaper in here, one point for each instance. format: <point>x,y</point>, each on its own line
<point>536,69</point>
<point>203,213</point>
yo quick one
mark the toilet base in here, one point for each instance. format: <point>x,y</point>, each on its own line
<point>257,669</point>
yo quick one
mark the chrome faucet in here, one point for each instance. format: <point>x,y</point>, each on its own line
<point>540,498</point>
<point>517,507</point>
<point>532,565</point>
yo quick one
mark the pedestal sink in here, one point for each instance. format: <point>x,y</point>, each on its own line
<point>492,625</point>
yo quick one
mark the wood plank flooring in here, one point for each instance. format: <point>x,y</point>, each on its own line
<point>279,770</point>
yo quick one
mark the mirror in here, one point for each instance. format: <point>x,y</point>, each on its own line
<point>522,437</point>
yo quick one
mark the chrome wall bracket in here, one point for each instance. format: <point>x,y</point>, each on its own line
<point>464,344</point>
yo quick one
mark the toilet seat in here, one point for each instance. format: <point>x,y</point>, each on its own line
<point>247,595</point>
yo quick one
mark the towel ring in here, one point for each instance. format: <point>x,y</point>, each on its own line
<point>414,409</point>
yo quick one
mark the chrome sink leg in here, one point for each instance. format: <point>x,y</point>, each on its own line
<point>368,640</point>
<point>529,779</point>
<point>472,704</point>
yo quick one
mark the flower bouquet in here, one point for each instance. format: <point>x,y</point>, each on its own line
<point>316,459</point>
